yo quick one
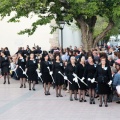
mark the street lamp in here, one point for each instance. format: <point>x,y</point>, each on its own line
<point>62,24</point>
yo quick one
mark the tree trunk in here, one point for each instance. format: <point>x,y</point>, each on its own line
<point>103,33</point>
<point>87,34</point>
<point>87,30</point>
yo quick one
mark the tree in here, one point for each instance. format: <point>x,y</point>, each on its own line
<point>86,13</point>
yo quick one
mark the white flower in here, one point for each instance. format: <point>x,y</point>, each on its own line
<point>51,4</point>
<point>62,8</point>
<point>95,65</point>
<point>105,68</point>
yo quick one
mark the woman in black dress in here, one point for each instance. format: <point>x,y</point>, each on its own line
<point>47,80</point>
<point>104,78</point>
<point>5,66</point>
<point>89,73</point>
<point>70,69</point>
<point>31,71</point>
<point>21,64</point>
<point>59,79</point>
<point>80,68</point>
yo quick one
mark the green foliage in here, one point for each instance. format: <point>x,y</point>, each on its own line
<point>104,10</point>
<point>101,24</point>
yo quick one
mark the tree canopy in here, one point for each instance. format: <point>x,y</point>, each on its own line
<point>95,18</point>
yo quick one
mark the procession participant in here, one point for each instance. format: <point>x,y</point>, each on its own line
<point>31,67</point>
<point>21,64</point>
<point>70,69</point>
<point>28,50</point>
<point>116,80</point>
<point>47,80</point>
<point>80,68</point>
<point>103,76</point>
<point>89,72</point>
<point>7,52</point>
<point>65,81</point>
<point>5,66</point>
<point>59,79</point>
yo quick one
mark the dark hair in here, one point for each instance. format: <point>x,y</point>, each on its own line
<point>3,52</point>
<point>82,55</point>
<point>43,56</point>
<point>70,52</point>
<point>6,48</point>
<point>20,53</point>
<point>91,55</point>
<point>55,55</point>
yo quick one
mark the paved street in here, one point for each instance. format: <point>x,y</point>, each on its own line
<point>22,104</point>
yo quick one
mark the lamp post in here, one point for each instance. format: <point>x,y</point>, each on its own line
<point>62,24</point>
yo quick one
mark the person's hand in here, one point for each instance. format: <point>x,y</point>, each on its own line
<point>74,75</point>
<point>75,79</point>
<point>24,73</point>
<point>65,78</point>
<point>82,80</point>
<point>39,74</point>
<point>89,79</point>
<point>110,82</point>
<point>93,80</point>
<point>51,72</point>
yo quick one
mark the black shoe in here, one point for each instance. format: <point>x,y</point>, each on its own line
<point>8,82</point>
<point>80,100</point>
<point>21,86</point>
<point>118,102</point>
<point>24,86</point>
<point>106,105</point>
<point>100,105</point>
<point>71,99</point>
<point>33,89</point>
<point>4,82</point>
<point>87,95</point>
<point>48,93</point>
<point>90,100</point>
<point>93,100</point>
<point>75,98</point>
<point>29,88</point>
<point>97,96</point>
<point>85,100</point>
<point>57,95</point>
<point>60,96</point>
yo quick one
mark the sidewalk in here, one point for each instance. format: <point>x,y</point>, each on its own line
<point>22,104</point>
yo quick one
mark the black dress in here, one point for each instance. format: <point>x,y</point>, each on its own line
<point>69,71</point>
<point>80,72</point>
<point>31,70</point>
<point>89,72</point>
<point>59,79</point>
<point>21,63</point>
<point>45,72</point>
<point>5,65</point>
<point>103,76</point>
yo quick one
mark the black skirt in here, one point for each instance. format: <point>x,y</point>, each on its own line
<point>20,73</point>
<point>82,85</point>
<point>103,88</point>
<point>46,78</point>
<point>5,70</point>
<point>91,85</point>
<point>59,80</point>
<point>74,85</point>
<point>32,75</point>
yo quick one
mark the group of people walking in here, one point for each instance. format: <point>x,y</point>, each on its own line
<point>81,72</point>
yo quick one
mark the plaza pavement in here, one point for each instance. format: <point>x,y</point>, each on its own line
<point>22,104</point>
